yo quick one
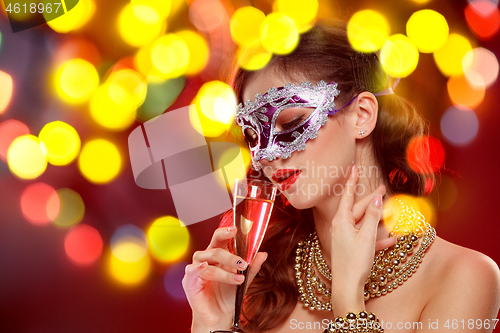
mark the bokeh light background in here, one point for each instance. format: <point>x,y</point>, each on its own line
<point>82,248</point>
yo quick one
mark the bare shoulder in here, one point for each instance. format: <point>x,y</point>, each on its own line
<point>462,280</point>
<point>454,262</point>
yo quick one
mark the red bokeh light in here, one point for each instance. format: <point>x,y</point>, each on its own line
<point>9,130</point>
<point>34,202</point>
<point>483,18</point>
<point>83,244</point>
<point>425,154</point>
<point>78,48</point>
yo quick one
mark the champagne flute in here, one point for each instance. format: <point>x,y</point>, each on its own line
<point>253,203</point>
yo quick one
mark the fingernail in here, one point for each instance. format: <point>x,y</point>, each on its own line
<point>353,170</point>
<point>239,278</point>
<point>230,229</point>
<point>203,264</point>
<point>267,255</point>
<point>377,201</point>
<point>241,264</point>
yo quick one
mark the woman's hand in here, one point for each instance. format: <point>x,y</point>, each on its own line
<point>210,282</point>
<point>353,246</point>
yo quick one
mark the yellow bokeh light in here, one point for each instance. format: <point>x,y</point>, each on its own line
<point>60,142</point>
<point>422,2</point>
<point>399,56</point>
<point>144,64</point>
<point>212,110</point>
<point>198,51</point>
<point>393,213</point>
<point>129,272</point>
<point>217,101</point>
<point>428,29</point>
<point>127,88</point>
<point>99,161</point>
<point>142,61</point>
<point>170,56</point>
<point>109,114</point>
<point>204,125</point>
<point>303,12</point>
<point>427,209</point>
<point>7,86</point>
<point>129,243</point>
<point>129,249</point>
<point>279,33</point>
<point>168,240</point>
<point>71,208</point>
<point>449,57</point>
<point>162,7</point>
<point>231,166</point>
<point>25,157</point>
<point>253,58</point>
<point>245,25</point>
<point>73,19</point>
<point>367,31</point>
<point>177,5</point>
<point>76,80</point>
<point>140,24</point>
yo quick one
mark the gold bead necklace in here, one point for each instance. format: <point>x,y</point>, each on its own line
<point>390,269</point>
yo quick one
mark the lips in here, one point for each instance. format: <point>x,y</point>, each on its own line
<point>286,177</point>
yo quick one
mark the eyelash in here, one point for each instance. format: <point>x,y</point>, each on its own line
<point>292,123</point>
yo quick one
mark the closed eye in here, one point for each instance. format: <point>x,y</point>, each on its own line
<point>292,123</point>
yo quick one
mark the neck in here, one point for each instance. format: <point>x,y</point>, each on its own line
<point>325,211</point>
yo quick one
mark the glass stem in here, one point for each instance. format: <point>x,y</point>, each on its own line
<point>240,295</point>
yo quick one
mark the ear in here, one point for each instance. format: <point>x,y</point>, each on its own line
<point>366,114</point>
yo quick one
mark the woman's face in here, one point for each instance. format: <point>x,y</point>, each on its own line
<point>312,175</point>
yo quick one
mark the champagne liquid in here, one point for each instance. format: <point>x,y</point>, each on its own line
<point>251,217</point>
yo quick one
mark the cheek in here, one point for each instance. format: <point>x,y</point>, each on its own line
<point>332,147</point>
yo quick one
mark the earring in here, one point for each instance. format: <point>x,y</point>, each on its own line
<point>362,132</point>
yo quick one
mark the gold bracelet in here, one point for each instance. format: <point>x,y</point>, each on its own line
<point>363,322</point>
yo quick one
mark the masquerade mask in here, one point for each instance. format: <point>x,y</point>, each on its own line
<point>273,125</point>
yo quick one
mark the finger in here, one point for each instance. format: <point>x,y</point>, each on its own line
<point>386,213</point>
<point>359,208</point>
<point>384,243</point>
<point>220,256</point>
<point>191,282</point>
<point>221,236</point>
<point>372,217</point>
<point>213,273</point>
<point>256,265</point>
<point>347,198</point>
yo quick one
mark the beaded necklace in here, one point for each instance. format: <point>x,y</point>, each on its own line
<point>390,269</point>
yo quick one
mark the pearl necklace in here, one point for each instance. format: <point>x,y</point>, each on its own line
<point>389,269</point>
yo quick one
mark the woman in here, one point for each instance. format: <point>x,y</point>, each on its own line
<point>337,150</point>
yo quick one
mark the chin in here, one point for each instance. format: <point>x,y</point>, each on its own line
<point>309,194</point>
<point>300,201</point>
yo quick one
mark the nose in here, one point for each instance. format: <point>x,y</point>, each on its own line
<point>269,167</point>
